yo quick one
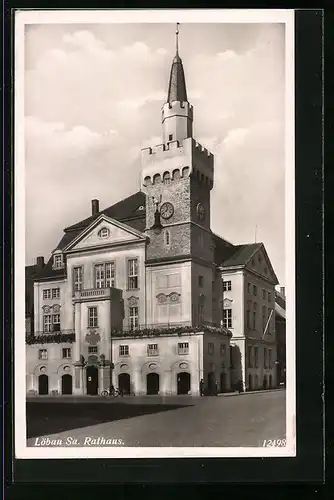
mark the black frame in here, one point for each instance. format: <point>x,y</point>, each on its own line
<point>308,466</point>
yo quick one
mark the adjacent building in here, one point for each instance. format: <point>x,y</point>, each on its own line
<point>144,296</point>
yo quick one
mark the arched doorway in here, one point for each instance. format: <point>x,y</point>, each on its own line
<point>211,383</point>
<point>270,381</point>
<point>66,384</point>
<point>92,376</point>
<point>250,382</point>
<point>222,382</point>
<point>265,382</point>
<point>124,383</point>
<point>152,383</point>
<point>43,385</point>
<point>183,382</point>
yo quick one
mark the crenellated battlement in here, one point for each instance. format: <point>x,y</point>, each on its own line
<point>173,161</point>
<point>170,109</point>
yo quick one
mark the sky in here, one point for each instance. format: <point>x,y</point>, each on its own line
<point>93,96</point>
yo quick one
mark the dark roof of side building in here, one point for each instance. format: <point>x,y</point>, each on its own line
<point>241,254</point>
<point>130,210</point>
<point>124,210</point>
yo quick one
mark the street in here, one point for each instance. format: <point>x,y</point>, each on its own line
<point>180,421</point>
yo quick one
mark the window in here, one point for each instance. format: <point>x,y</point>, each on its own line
<point>167,237</point>
<point>92,317</point>
<point>200,314</point>
<point>211,348</point>
<point>254,319</point>
<point>170,137</point>
<point>105,275</point>
<point>227,318</point>
<point>265,362</point>
<point>269,297</point>
<point>269,320</point>
<point>66,353</point>
<point>227,286</point>
<point>104,232</point>
<point>132,274</point>
<point>56,322</point>
<point>47,323</point>
<point>92,349</point>
<point>249,287</point>
<point>77,279</point>
<point>42,354</point>
<point>213,287</point>
<point>222,349</point>
<point>55,293</point>
<point>58,261</point>
<point>47,294</point>
<point>110,275</point>
<point>152,350</point>
<point>183,348</point>
<point>248,316</point>
<point>133,317</point>
<point>250,360</point>
<point>263,294</point>
<point>254,290</point>
<point>124,350</point>
<point>256,356</point>
<point>270,358</point>
<point>264,320</point>
<point>201,281</point>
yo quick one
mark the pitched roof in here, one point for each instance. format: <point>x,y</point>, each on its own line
<point>123,210</point>
<point>223,249</point>
<point>241,254</point>
<point>126,210</point>
<point>177,83</point>
<point>48,272</point>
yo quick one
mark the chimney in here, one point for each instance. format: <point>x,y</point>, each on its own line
<point>282,290</point>
<point>95,207</point>
<point>40,262</point>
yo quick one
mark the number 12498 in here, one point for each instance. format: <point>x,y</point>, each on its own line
<point>272,443</point>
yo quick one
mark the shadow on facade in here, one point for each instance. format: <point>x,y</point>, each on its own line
<point>236,369</point>
<point>50,418</point>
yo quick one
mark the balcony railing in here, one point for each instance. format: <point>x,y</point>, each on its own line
<point>64,336</point>
<point>92,293</point>
<point>157,329</point>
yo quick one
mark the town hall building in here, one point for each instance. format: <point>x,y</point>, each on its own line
<point>143,296</point>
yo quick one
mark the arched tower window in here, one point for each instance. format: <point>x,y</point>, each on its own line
<point>167,237</point>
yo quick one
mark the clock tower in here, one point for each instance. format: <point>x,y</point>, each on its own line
<point>177,178</point>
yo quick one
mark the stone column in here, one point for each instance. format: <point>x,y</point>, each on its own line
<point>137,381</point>
<point>77,330</point>
<point>78,386</point>
<point>166,382</point>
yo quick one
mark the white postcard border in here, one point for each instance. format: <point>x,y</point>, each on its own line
<point>149,16</point>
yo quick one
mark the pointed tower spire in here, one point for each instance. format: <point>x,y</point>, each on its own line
<point>177,39</point>
<point>177,112</point>
<point>177,83</point>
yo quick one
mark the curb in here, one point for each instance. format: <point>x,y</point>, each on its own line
<point>229,394</point>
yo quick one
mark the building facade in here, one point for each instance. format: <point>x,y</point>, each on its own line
<point>144,296</point>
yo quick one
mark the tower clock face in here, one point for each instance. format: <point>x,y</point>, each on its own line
<point>166,210</point>
<point>200,211</point>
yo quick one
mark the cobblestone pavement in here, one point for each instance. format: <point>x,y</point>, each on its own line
<point>241,420</point>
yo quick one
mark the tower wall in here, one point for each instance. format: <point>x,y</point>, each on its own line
<point>177,121</point>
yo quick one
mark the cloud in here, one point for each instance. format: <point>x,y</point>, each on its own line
<point>93,102</point>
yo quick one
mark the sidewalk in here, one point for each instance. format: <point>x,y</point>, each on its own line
<point>236,393</point>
